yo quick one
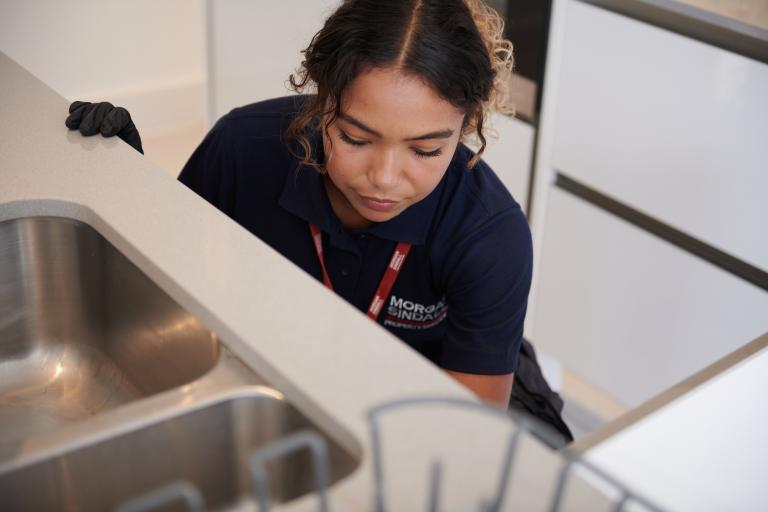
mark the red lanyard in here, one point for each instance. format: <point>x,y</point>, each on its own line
<point>390,275</point>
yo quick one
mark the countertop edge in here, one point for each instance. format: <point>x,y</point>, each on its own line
<point>665,398</point>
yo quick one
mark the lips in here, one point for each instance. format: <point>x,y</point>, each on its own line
<point>379,205</point>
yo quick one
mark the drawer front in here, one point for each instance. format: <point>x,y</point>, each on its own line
<point>629,312</point>
<point>670,126</point>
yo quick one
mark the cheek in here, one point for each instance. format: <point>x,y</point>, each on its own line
<point>428,174</point>
<point>346,164</point>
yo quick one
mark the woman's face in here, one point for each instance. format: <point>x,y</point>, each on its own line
<point>390,147</point>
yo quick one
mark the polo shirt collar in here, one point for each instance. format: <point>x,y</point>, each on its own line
<point>304,195</point>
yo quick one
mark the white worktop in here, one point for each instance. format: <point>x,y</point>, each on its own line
<point>700,445</point>
<point>713,440</point>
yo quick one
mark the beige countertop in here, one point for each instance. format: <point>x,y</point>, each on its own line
<point>751,12</point>
<point>711,429</point>
<point>739,26</point>
<point>328,359</point>
<point>723,465</point>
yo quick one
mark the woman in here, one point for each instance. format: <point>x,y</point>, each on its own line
<point>367,186</point>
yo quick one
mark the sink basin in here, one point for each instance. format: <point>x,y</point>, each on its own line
<point>83,330</point>
<point>208,448</point>
<point>110,391</point>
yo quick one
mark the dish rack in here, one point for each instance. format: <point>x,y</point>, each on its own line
<point>181,492</point>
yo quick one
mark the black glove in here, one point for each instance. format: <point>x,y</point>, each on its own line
<point>104,118</point>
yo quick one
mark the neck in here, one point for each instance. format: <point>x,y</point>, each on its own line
<point>349,217</point>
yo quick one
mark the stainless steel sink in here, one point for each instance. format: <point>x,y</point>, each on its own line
<point>110,390</point>
<point>83,330</point>
<point>208,448</point>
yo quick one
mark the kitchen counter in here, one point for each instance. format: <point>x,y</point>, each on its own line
<point>327,358</point>
<point>711,429</point>
<point>740,27</point>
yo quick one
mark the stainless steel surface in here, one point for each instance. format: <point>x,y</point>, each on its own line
<point>166,495</point>
<point>288,445</point>
<point>208,447</point>
<point>109,390</point>
<point>82,330</point>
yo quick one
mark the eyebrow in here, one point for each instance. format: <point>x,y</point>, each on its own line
<point>438,134</point>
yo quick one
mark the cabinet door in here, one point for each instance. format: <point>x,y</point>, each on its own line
<point>630,313</point>
<point>673,127</point>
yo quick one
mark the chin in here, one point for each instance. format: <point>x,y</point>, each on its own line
<point>376,216</point>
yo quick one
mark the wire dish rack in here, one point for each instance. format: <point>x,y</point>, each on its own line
<point>185,494</point>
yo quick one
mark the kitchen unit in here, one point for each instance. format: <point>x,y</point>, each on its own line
<point>648,208</point>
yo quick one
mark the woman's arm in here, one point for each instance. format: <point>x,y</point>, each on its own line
<point>487,279</point>
<point>494,389</point>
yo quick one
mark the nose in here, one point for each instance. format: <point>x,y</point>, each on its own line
<point>384,172</point>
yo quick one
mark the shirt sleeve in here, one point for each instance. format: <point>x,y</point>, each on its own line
<point>210,171</point>
<point>487,285</point>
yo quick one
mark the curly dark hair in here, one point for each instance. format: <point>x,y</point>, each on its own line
<point>456,46</point>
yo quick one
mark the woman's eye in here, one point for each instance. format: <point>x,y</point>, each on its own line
<point>427,154</point>
<point>349,140</point>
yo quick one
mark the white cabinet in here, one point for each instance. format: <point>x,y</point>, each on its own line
<point>667,125</point>
<point>673,128</point>
<point>629,312</point>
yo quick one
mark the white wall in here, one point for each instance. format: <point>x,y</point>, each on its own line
<point>146,55</point>
<point>253,51</point>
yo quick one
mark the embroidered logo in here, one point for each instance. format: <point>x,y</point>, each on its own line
<point>407,314</point>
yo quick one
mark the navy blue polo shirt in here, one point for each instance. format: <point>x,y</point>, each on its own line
<point>460,298</point>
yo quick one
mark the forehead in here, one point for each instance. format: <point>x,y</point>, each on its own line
<point>398,105</point>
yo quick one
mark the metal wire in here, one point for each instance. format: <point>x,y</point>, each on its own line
<point>175,491</point>
<point>434,486</point>
<point>576,459</point>
<point>522,424</point>
<point>378,473</point>
<point>307,439</point>
<point>294,442</point>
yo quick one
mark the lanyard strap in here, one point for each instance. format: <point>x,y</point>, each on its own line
<point>317,238</point>
<point>387,282</point>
